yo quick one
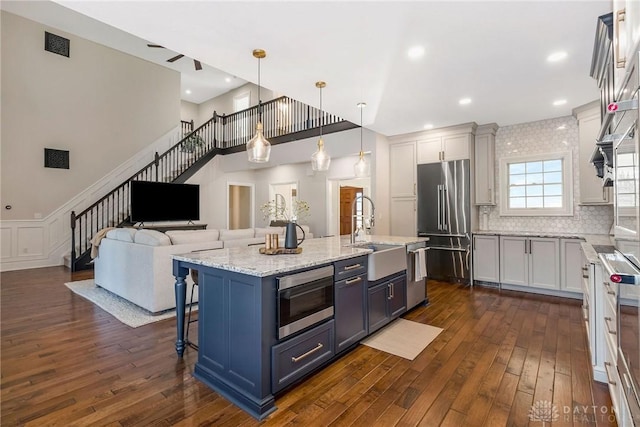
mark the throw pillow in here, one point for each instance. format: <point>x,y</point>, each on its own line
<point>151,238</point>
<point>180,237</point>
<point>122,234</point>
<point>261,232</point>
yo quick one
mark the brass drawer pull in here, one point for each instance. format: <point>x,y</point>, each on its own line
<point>606,364</point>
<point>351,267</point>
<point>354,280</point>
<point>607,320</point>
<point>608,288</point>
<point>307,354</point>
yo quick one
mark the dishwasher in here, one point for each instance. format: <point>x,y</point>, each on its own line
<point>416,287</point>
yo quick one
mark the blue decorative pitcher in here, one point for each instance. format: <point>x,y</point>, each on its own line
<point>291,236</point>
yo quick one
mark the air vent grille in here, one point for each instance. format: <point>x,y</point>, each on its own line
<point>56,44</point>
<point>56,158</point>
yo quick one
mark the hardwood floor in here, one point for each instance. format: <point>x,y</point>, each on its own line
<point>67,362</point>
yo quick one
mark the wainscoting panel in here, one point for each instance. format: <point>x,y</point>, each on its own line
<point>31,241</point>
<point>6,241</point>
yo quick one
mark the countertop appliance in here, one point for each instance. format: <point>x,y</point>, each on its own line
<point>444,211</point>
<point>304,299</point>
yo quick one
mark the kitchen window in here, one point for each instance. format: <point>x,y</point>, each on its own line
<point>536,185</point>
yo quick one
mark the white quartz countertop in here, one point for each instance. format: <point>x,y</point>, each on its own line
<point>248,260</point>
<point>594,239</point>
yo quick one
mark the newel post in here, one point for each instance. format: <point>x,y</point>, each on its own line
<point>156,162</point>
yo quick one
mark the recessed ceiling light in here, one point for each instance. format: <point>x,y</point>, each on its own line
<point>415,52</point>
<point>428,126</point>
<point>559,102</point>
<point>228,80</point>
<point>557,56</point>
<point>188,91</point>
<point>464,101</point>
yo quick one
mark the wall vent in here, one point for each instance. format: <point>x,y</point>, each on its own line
<point>56,158</point>
<point>56,44</point>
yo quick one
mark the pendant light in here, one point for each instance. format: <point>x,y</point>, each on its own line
<point>258,148</point>
<point>320,160</point>
<point>361,167</point>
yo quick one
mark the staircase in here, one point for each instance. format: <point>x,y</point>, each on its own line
<point>284,120</point>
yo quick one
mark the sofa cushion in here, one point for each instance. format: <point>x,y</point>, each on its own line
<point>122,234</point>
<point>244,233</point>
<point>151,238</point>
<point>261,232</point>
<point>180,237</point>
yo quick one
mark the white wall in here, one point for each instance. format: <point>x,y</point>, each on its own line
<point>223,104</point>
<point>101,105</point>
<point>189,111</point>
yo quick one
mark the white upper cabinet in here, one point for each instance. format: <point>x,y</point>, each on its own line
<point>626,35</point>
<point>485,147</point>
<point>402,169</point>
<point>443,148</point>
<point>591,190</point>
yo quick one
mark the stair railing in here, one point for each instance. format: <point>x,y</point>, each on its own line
<point>280,116</point>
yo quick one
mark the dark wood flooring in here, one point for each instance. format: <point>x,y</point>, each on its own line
<point>66,362</point>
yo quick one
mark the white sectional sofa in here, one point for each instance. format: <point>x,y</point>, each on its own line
<point>137,265</point>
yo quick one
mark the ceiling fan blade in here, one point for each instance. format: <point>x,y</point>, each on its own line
<point>197,64</point>
<point>154,45</point>
<point>175,58</point>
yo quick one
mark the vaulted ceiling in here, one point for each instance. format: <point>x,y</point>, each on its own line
<point>492,52</point>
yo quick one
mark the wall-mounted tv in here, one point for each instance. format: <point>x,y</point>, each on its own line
<point>163,201</point>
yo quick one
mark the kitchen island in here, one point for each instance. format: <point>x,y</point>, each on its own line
<point>242,353</point>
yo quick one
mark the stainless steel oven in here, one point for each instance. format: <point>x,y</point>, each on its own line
<point>304,299</point>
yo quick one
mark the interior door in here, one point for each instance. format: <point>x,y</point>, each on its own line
<point>347,196</point>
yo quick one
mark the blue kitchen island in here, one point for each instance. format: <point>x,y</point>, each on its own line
<point>266,321</point>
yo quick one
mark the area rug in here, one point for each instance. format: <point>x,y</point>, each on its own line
<point>403,338</point>
<point>123,310</point>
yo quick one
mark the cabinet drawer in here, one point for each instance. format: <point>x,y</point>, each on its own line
<point>294,358</point>
<point>350,267</point>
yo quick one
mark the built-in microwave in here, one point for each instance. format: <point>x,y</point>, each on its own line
<point>304,300</point>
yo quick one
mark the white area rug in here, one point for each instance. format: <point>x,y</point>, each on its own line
<point>123,310</point>
<point>403,338</point>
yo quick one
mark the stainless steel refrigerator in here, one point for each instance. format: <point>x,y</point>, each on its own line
<point>444,215</point>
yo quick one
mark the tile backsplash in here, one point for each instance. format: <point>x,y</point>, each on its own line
<point>559,134</point>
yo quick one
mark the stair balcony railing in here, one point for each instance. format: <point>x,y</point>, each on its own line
<point>282,117</point>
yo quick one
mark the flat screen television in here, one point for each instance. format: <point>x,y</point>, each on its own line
<point>164,201</point>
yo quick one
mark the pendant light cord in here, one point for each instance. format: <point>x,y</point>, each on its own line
<point>361,108</point>
<point>259,100</point>
<point>321,115</point>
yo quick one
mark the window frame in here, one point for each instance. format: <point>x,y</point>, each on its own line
<point>567,185</point>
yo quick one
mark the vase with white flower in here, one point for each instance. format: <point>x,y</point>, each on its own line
<point>298,210</point>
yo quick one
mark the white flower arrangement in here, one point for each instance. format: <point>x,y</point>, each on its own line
<point>298,211</point>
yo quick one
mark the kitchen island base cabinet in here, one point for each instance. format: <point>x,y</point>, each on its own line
<point>298,356</point>
<point>350,311</point>
<point>387,300</point>
<point>235,319</point>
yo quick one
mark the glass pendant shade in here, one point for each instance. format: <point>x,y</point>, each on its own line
<point>320,160</point>
<point>258,148</point>
<point>361,168</point>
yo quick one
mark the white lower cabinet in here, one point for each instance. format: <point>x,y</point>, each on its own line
<point>530,261</point>
<point>571,265</point>
<point>486,258</point>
